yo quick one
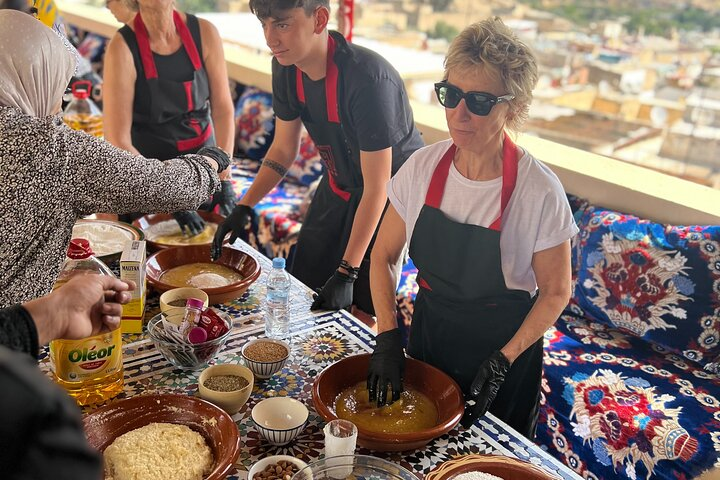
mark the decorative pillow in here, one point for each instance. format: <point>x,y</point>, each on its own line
<point>254,123</point>
<point>660,283</point>
<point>578,205</point>
<point>307,167</point>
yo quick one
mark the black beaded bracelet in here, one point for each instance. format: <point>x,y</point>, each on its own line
<point>218,154</point>
<point>353,272</point>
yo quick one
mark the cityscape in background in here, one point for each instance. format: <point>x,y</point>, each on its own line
<point>635,80</point>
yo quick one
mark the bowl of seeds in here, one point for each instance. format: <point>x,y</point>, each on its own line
<point>265,356</point>
<point>228,386</point>
<point>276,467</point>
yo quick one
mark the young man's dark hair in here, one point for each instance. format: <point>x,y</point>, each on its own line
<point>270,8</point>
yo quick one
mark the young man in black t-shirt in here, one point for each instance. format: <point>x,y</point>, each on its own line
<point>354,105</point>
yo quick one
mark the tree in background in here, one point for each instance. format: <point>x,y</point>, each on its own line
<point>443,30</point>
<point>440,5</point>
<point>197,6</point>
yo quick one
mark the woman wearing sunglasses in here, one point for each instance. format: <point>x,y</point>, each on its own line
<point>489,229</point>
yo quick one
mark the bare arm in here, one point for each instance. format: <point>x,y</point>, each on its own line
<point>278,159</point>
<point>220,102</point>
<point>119,94</point>
<point>384,261</point>
<point>553,275</point>
<point>376,171</point>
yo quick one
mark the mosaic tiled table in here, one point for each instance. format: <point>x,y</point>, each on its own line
<point>318,340</point>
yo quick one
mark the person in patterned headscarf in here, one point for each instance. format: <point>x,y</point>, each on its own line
<point>53,175</point>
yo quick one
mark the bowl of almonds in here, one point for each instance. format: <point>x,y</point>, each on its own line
<point>276,467</point>
<point>228,386</point>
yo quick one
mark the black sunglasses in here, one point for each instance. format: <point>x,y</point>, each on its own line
<point>479,103</point>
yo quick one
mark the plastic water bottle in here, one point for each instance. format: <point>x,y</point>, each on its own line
<point>277,315</point>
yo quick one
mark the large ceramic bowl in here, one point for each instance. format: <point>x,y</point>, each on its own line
<point>107,238</point>
<point>426,379</point>
<point>165,259</point>
<point>149,223</point>
<point>504,467</point>
<point>354,466</point>
<point>105,424</point>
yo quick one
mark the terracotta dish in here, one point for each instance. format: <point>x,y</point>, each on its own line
<point>145,223</point>
<point>165,259</point>
<point>425,378</point>
<point>504,467</point>
<point>105,424</point>
<point>107,238</point>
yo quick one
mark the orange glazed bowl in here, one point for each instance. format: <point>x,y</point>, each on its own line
<point>504,467</point>
<point>435,384</point>
<point>104,425</point>
<point>235,259</point>
<point>147,224</point>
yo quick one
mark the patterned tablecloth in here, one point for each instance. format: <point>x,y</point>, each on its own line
<point>318,340</point>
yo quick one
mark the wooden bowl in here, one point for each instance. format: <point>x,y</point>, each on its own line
<point>105,424</point>
<point>425,378</point>
<point>145,223</point>
<point>168,258</point>
<point>504,467</point>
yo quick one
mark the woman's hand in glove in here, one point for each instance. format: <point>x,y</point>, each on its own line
<point>387,367</point>
<point>337,293</point>
<point>190,222</point>
<point>488,380</point>
<point>238,224</point>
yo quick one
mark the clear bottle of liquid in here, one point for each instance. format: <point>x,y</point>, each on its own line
<point>277,314</point>
<point>90,369</point>
<point>82,113</point>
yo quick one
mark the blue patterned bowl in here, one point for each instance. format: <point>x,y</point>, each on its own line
<point>279,419</point>
<point>265,369</point>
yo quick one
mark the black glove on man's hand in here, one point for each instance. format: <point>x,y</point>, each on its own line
<point>218,154</point>
<point>238,224</point>
<point>337,293</point>
<point>488,380</point>
<point>387,366</point>
<point>225,197</point>
<point>190,222</point>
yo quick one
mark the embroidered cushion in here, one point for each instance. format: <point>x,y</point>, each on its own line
<point>307,166</point>
<point>254,123</point>
<point>660,283</point>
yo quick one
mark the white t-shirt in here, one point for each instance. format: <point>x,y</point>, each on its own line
<point>537,217</point>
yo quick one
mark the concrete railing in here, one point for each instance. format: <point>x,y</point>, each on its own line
<point>602,180</point>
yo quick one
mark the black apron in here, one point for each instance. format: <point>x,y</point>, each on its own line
<point>177,120</point>
<point>326,229</point>
<point>463,310</point>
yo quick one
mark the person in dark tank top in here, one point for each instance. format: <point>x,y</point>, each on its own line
<point>166,93</point>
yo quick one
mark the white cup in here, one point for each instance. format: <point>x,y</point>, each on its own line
<point>340,439</point>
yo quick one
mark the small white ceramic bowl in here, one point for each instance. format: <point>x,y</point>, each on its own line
<point>262,464</point>
<point>264,370</point>
<point>279,419</point>
<point>181,294</point>
<point>233,401</point>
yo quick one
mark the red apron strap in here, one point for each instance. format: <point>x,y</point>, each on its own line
<point>331,81</point>
<point>435,191</point>
<point>187,40</point>
<point>194,143</point>
<point>509,179</point>
<point>146,54</point>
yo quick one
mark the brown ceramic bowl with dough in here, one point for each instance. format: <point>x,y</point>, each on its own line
<point>235,259</point>
<point>504,467</point>
<point>104,425</point>
<point>146,223</point>
<point>435,384</point>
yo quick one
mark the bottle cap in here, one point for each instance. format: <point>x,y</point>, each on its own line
<point>278,262</point>
<point>195,303</point>
<point>79,248</point>
<point>197,335</point>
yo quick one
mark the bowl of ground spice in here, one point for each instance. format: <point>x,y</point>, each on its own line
<point>228,386</point>
<point>265,356</point>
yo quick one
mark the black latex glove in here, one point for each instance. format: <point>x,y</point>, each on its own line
<point>387,366</point>
<point>218,154</point>
<point>225,198</point>
<point>488,380</point>
<point>237,224</point>
<point>190,222</point>
<point>337,293</point>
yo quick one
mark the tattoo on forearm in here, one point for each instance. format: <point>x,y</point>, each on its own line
<point>275,166</point>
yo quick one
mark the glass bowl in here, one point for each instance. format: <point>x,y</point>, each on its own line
<point>187,355</point>
<point>358,467</point>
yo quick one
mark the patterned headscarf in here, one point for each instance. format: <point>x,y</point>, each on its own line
<point>35,64</point>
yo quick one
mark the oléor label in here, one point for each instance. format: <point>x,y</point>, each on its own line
<point>78,360</point>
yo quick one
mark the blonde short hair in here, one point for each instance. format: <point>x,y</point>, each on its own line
<point>492,46</point>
